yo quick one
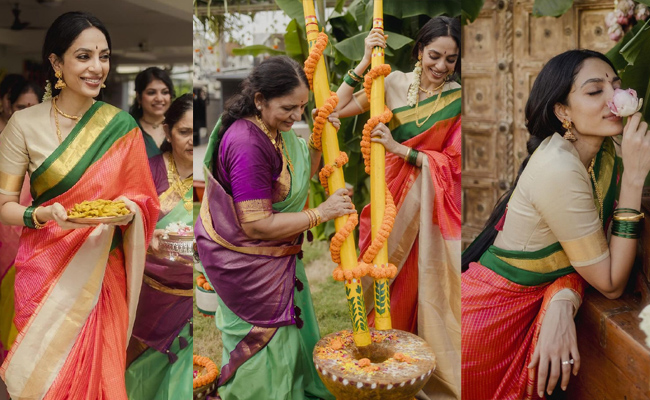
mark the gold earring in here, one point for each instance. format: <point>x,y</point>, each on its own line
<point>60,84</point>
<point>103,86</point>
<point>568,135</point>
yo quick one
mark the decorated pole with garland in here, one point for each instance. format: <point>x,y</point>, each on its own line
<point>380,197</point>
<point>342,248</point>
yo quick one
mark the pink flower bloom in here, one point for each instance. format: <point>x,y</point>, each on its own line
<point>624,102</point>
<point>626,6</point>
<point>641,12</point>
<point>615,32</point>
<point>621,17</point>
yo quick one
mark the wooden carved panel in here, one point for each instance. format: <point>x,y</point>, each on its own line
<point>503,52</point>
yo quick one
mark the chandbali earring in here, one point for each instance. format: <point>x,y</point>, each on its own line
<point>568,135</point>
<point>60,84</point>
<point>103,86</point>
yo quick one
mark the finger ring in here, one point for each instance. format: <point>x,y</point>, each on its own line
<point>568,362</point>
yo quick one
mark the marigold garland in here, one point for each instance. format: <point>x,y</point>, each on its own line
<point>384,117</point>
<point>321,118</point>
<point>315,54</point>
<point>383,69</point>
<point>210,367</point>
<point>328,169</point>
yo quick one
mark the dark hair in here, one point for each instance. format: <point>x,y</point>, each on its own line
<point>552,86</point>
<point>22,88</point>
<point>142,80</point>
<point>274,77</point>
<point>8,82</point>
<point>174,114</point>
<point>440,26</point>
<point>59,37</point>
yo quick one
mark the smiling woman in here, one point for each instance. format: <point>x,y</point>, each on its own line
<point>76,285</point>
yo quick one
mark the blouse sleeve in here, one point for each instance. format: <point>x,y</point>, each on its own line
<point>563,196</point>
<point>14,159</point>
<point>249,168</point>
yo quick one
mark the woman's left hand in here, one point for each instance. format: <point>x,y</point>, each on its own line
<point>333,118</point>
<point>131,206</point>
<point>381,134</point>
<point>557,345</point>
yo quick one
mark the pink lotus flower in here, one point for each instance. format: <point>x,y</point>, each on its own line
<point>621,17</point>
<point>627,7</point>
<point>641,12</point>
<point>625,102</point>
<point>615,32</point>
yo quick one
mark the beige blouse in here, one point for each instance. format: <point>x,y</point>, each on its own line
<point>26,142</point>
<point>554,202</point>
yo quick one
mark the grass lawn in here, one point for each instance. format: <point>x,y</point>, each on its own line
<point>328,296</point>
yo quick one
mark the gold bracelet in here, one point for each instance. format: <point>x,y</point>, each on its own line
<point>632,218</point>
<point>37,224</point>
<point>312,218</point>
<point>311,143</point>
<point>309,217</point>
<point>317,213</point>
<point>408,153</point>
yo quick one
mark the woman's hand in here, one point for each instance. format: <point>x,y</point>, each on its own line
<point>381,134</point>
<point>58,213</point>
<point>557,345</point>
<point>333,118</point>
<point>636,149</point>
<point>131,206</point>
<point>338,204</point>
<point>374,39</point>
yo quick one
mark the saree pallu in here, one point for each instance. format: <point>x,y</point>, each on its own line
<point>425,241</point>
<point>77,290</point>
<point>161,334</point>
<point>263,293</point>
<point>505,297</point>
<point>9,238</point>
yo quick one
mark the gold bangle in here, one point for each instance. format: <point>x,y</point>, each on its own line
<point>408,153</point>
<point>311,143</point>
<point>632,218</point>
<point>37,224</point>
<point>310,218</point>
<point>317,213</point>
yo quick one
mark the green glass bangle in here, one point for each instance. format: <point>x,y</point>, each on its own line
<point>348,79</point>
<point>413,157</point>
<point>28,219</point>
<point>626,210</point>
<point>355,76</point>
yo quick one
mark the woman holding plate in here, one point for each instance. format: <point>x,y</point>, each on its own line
<point>77,285</point>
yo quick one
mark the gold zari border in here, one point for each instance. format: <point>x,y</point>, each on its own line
<point>407,116</point>
<point>253,210</point>
<point>554,262</point>
<point>206,218</point>
<point>588,249</point>
<point>71,156</point>
<point>11,184</point>
<point>165,289</point>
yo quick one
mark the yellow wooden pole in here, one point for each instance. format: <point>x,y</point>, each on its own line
<point>378,179</point>
<point>353,288</point>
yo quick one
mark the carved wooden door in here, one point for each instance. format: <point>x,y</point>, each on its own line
<point>502,53</point>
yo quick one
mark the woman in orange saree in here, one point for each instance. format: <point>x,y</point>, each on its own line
<point>76,285</point>
<point>549,234</point>
<point>423,164</point>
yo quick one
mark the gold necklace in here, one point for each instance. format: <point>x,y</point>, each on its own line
<point>433,109</point>
<point>599,195</point>
<point>174,179</point>
<point>75,118</point>
<point>282,147</point>
<point>432,92</point>
<point>154,126</point>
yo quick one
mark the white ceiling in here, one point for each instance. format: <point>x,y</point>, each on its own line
<point>142,31</point>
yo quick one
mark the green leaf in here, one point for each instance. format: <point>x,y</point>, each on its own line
<point>293,8</point>
<point>614,54</point>
<point>470,10</point>
<point>397,41</point>
<point>295,42</point>
<point>354,47</point>
<point>638,44</point>
<point>551,8</point>
<point>358,289</point>
<point>255,50</point>
<point>339,5</point>
<point>411,8</point>
<point>347,292</point>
